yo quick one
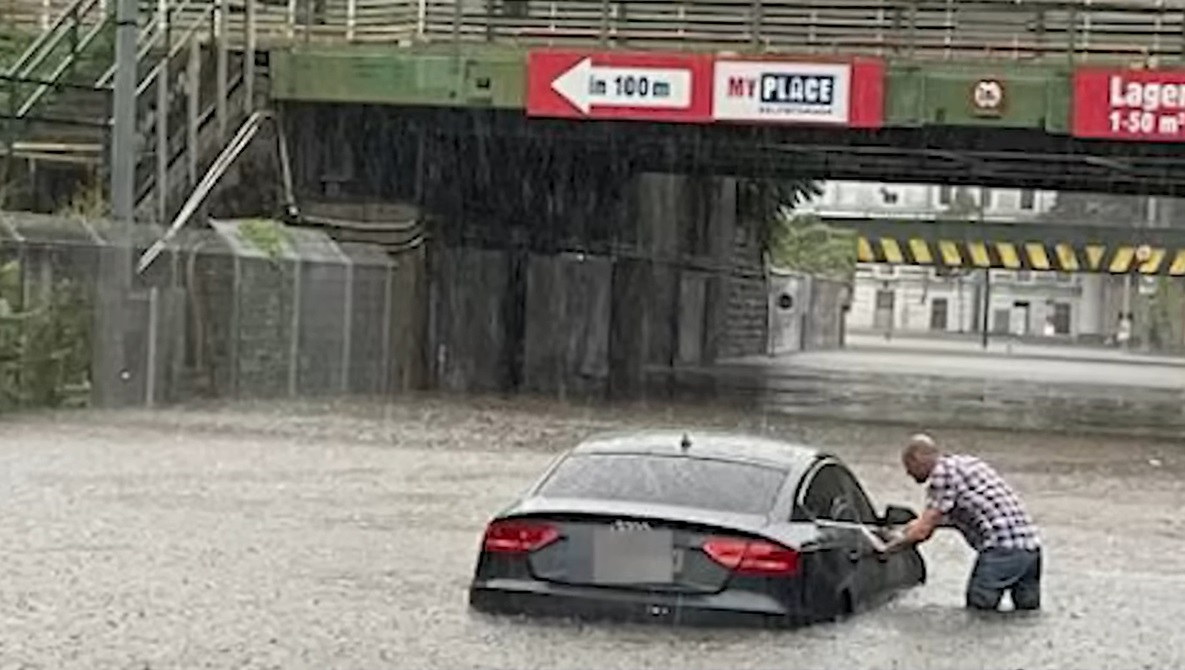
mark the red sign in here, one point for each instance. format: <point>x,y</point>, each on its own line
<point>620,85</point>
<point>692,88</point>
<point>1138,105</point>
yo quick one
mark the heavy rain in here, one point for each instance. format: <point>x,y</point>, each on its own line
<point>297,298</point>
<point>328,535</point>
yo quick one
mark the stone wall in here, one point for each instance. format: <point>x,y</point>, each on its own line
<point>747,324</point>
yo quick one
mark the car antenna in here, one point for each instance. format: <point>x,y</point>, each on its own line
<point>685,443</point>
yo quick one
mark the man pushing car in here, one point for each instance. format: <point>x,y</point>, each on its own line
<point>966,493</point>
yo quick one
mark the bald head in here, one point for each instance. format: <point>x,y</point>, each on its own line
<point>919,456</point>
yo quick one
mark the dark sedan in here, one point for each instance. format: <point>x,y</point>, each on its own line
<point>692,529</point>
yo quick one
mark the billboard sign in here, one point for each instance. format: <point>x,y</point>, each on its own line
<point>697,88</point>
<point>1135,105</point>
<point>619,85</point>
<point>768,91</point>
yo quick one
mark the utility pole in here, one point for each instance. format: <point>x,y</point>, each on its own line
<point>985,326</point>
<point>109,369</point>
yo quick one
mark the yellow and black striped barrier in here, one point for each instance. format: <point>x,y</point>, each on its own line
<point>1058,257</point>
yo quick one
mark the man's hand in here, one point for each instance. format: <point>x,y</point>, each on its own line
<point>917,531</point>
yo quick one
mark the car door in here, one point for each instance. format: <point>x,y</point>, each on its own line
<point>898,569</point>
<point>831,498</point>
<point>878,573</point>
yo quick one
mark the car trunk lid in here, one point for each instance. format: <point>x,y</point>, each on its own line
<point>642,552</point>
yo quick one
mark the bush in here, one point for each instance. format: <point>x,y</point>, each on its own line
<point>806,244</point>
<point>44,350</point>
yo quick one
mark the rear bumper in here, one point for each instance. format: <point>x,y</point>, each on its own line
<point>543,599</point>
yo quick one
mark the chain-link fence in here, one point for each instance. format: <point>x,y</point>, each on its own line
<point>242,309</point>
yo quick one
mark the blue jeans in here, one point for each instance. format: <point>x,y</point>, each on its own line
<point>1017,571</point>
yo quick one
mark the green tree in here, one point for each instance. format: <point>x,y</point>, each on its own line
<point>803,242</point>
<point>796,242</point>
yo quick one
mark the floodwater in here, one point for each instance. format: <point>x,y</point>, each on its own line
<point>323,536</point>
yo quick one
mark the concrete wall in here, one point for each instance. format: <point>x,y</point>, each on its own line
<point>468,317</point>
<point>566,347</point>
<point>825,319</point>
<point>805,312</point>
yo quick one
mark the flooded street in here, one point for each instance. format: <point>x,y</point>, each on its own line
<point>320,536</point>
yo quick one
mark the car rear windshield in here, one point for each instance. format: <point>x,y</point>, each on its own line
<point>686,482</point>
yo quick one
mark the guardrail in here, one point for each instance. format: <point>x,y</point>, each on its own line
<point>1014,29</point>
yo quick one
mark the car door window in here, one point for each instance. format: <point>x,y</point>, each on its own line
<point>827,498</point>
<point>833,494</point>
<point>861,507</point>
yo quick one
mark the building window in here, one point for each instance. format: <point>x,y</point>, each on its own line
<point>1061,318</point>
<point>938,314</point>
<point>1028,199</point>
<point>944,195</point>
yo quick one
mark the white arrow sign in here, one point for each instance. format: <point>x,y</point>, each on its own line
<point>585,86</point>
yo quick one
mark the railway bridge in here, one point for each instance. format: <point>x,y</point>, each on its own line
<point>628,131</point>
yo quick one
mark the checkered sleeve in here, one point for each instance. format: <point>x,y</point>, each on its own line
<point>940,495</point>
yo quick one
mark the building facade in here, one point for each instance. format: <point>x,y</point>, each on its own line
<point>911,299</point>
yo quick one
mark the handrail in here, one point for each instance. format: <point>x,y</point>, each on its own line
<point>34,56</point>
<point>50,33</point>
<point>1035,29</point>
<point>174,50</point>
<point>152,36</point>
<point>61,69</point>
<point>230,153</point>
<point>947,28</point>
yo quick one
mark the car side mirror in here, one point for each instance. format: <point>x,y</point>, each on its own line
<point>897,516</point>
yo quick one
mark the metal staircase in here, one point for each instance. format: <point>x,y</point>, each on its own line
<point>196,83</point>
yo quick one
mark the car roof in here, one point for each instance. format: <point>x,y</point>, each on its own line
<point>718,445</point>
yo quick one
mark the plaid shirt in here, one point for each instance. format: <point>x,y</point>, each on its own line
<point>976,501</point>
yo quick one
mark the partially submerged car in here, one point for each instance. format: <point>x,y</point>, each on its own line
<point>707,529</point>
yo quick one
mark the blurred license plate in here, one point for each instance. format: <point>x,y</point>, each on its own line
<point>633,556</point>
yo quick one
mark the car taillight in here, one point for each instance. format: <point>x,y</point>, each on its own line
<point>518,536</point>
<point>752,557</point>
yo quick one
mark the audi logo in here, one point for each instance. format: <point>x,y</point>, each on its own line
<point>624,525</point>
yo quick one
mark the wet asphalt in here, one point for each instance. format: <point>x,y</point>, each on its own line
<point>343,536</point>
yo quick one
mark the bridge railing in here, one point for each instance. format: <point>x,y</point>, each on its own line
<point>932,29</point>
<point>920,28</point>
<point>943,29</point>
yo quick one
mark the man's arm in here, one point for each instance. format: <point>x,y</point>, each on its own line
<point>917,531</point>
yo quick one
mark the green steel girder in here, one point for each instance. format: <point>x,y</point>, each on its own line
<point>917,93</point>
